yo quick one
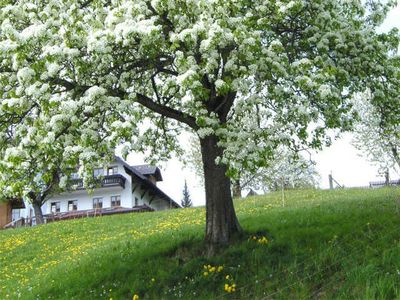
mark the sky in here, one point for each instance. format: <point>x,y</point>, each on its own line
<point>342,160</point>
<point>392,19</point>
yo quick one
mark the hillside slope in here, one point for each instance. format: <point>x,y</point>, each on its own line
<point>322,244</point>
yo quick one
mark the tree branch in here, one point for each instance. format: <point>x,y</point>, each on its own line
<point>65,83</point>
<point>167,71</point>
<point>224,107</point>
<point>160,108</point>
<point>168,26</point>
<point>166,111</point>
<point>143,100</point>
<point>51,187</point>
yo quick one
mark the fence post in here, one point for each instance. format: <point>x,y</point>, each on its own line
<point>330,182</point>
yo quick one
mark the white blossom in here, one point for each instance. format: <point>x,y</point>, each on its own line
<point>25,75</point>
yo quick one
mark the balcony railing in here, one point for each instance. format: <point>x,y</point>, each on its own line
<point>105,181</point>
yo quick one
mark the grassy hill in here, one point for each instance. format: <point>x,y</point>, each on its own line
<point>322,244</point>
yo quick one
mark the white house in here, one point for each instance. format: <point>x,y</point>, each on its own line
<point>121,189</point>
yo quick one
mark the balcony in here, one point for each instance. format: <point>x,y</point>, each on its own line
<point>105,181</point>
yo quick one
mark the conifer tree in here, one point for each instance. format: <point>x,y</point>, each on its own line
<point>186,201</point>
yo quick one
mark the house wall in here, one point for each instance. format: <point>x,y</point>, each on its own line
<point>155,203</point>
<point>85,200</point>
<point>5,214</point>
<point>138,194</point>
<point>126,196</point>
<point>27,212</point>
<point>159,204</point>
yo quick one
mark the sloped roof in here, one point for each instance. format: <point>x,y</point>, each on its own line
<point>252,193</point>
<point>149,170</point>
<point>146,182</point>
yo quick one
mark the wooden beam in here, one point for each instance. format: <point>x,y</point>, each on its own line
<point>5,214</point>
<point>152,198</point>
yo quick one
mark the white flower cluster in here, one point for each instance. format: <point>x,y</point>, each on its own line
<point>75,82</point>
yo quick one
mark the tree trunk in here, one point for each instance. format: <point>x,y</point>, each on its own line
<point>387,179</point>
<point>236,189</point>
<point>395,154</point>
<point>221,221</point>
<point>38,212</point>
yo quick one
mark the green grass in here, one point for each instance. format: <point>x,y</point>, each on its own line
<point>323,244</point>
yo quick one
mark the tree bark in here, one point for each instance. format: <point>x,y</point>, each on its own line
<point>38,212</point>
<point>387,179</point>
<point>395,154</point>
<point>221,220</point>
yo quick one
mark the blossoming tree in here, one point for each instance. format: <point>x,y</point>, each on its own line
<point>374,135</point>
<point>245,76</point>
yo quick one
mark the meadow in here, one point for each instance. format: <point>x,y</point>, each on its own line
<point>320,244</point>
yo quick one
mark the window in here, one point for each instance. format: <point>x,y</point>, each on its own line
<point>16,214</point>
<point>116,201</point>
<point>136,201</point>
<point>98,172</point>
<point>55,207</point>
<point>112,170</point>
<point>74,175</point>
<point>72,205</point>
<point>97,203</point>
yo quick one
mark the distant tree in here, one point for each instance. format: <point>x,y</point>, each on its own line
<point>378,139</point>
<point>288,170</point>
<point>33,177</point>
<point>286,167</point>
<point>36,175</point>
<point>186,201</point>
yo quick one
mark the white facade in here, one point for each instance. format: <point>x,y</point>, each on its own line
<point>136,191</point>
